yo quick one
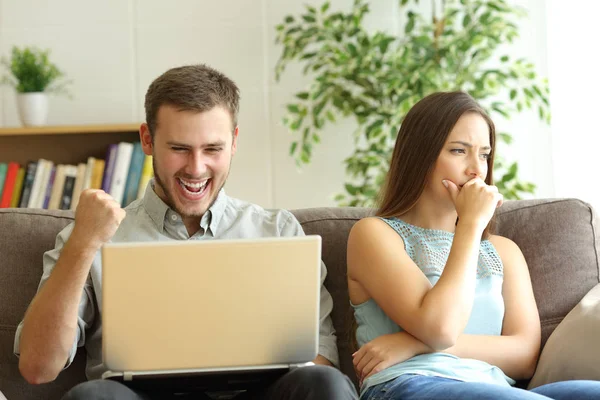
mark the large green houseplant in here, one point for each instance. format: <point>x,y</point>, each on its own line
<point>375,78</point>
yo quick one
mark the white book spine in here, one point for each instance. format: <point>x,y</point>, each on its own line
<point>117,187</point>
<point>44,184</point>
<point>57,188</point>
<point>37,183</point>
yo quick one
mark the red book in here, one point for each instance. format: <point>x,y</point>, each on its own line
<point>9,184</point>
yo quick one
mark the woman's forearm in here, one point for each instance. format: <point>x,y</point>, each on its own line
<point>514,355</point>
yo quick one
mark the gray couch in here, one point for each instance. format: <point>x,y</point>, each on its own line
<point>559,239</point>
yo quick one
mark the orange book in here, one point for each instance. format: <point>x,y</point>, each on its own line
<point>9,184</point>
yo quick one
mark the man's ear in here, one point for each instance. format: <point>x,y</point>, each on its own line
<point>234,141</point>
<point>146,139</point>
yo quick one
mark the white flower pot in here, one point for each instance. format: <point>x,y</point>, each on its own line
<point>33,108</point>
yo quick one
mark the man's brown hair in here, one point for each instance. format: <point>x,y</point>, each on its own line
<point>191,88</point>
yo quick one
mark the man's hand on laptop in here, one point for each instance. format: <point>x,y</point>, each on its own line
<point>97,218</point>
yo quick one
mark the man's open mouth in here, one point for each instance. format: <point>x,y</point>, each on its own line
<point>193,188</point>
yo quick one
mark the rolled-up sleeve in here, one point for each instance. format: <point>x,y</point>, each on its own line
<point>87,310</point>
<point>327,338</point>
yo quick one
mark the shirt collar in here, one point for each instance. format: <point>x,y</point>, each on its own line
<point>155,207</point>
<point>157,210</point>
<point>214,215</point>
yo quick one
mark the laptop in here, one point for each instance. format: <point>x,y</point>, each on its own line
<point>240,309</point>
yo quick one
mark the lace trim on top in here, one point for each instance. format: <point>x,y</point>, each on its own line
<point>430,248</point>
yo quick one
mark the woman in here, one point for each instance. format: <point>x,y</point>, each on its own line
<point>444,309</point>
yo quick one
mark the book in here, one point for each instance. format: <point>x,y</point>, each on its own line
<point>111,158</point>
<point>37,184</point>
<point>119,178</point>
<point>97,174</point>
<point>28,183</point>
<point>9,184</point>
<point>3,170</point>
<point>134,175</point>
<point>49,187</point>
<point>57,187</point>
<point>147,174</point>
<point>38,201</point>
<point>89,170</point>
<point>67,194</point>
<point>79,182</point>
<point>16,197</point>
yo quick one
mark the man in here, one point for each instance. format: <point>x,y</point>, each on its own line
<point>191,131</point>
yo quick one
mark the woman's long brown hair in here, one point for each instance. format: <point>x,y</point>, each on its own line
<point>420,140</point>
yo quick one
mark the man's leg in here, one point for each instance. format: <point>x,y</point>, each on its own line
<point>311,383</point>
<point>103,390</point>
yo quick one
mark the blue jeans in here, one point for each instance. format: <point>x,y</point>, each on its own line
<point>417,387</point>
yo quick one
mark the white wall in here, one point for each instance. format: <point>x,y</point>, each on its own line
<point>113,49</point>
<point>574,63</point>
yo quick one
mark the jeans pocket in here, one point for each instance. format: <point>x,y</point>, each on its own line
<point>379,392</point>
<point>391,389</point>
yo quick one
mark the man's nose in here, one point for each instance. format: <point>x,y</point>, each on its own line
<point>196,165</point>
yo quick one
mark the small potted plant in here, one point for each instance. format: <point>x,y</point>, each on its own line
<point>33,76</point>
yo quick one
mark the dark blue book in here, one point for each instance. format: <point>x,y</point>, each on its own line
<point>28,183</point>
<point>109,168</point>
<point>49,187</point>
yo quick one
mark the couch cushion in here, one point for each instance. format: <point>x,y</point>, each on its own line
<point>333,224</point>
<point>572,351</point>
<point>25,234</point>
<point>559,240</point>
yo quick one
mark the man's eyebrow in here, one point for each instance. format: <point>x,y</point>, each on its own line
<point>211,144</point>
<point>171,143</point>
<point>469,145</point>
<point>215,144</point>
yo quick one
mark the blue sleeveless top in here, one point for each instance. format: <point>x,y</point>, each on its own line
<point>429,249</point>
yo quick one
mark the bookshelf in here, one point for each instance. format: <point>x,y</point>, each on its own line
<point>70,144</point>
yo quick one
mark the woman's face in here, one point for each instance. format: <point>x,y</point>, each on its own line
<point>464,156</point>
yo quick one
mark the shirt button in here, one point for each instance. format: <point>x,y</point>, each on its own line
<point>174,217</point>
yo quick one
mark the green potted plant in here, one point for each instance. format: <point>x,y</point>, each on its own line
<point>33,76</point>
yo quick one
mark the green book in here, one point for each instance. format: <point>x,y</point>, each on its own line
<point>3,169</point>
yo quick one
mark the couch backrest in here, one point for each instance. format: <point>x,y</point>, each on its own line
<point>558,238</point>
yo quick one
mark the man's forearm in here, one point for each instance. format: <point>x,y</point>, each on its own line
<point>50,324</point>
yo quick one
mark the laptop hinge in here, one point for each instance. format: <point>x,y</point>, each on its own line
<point>127,376</point>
